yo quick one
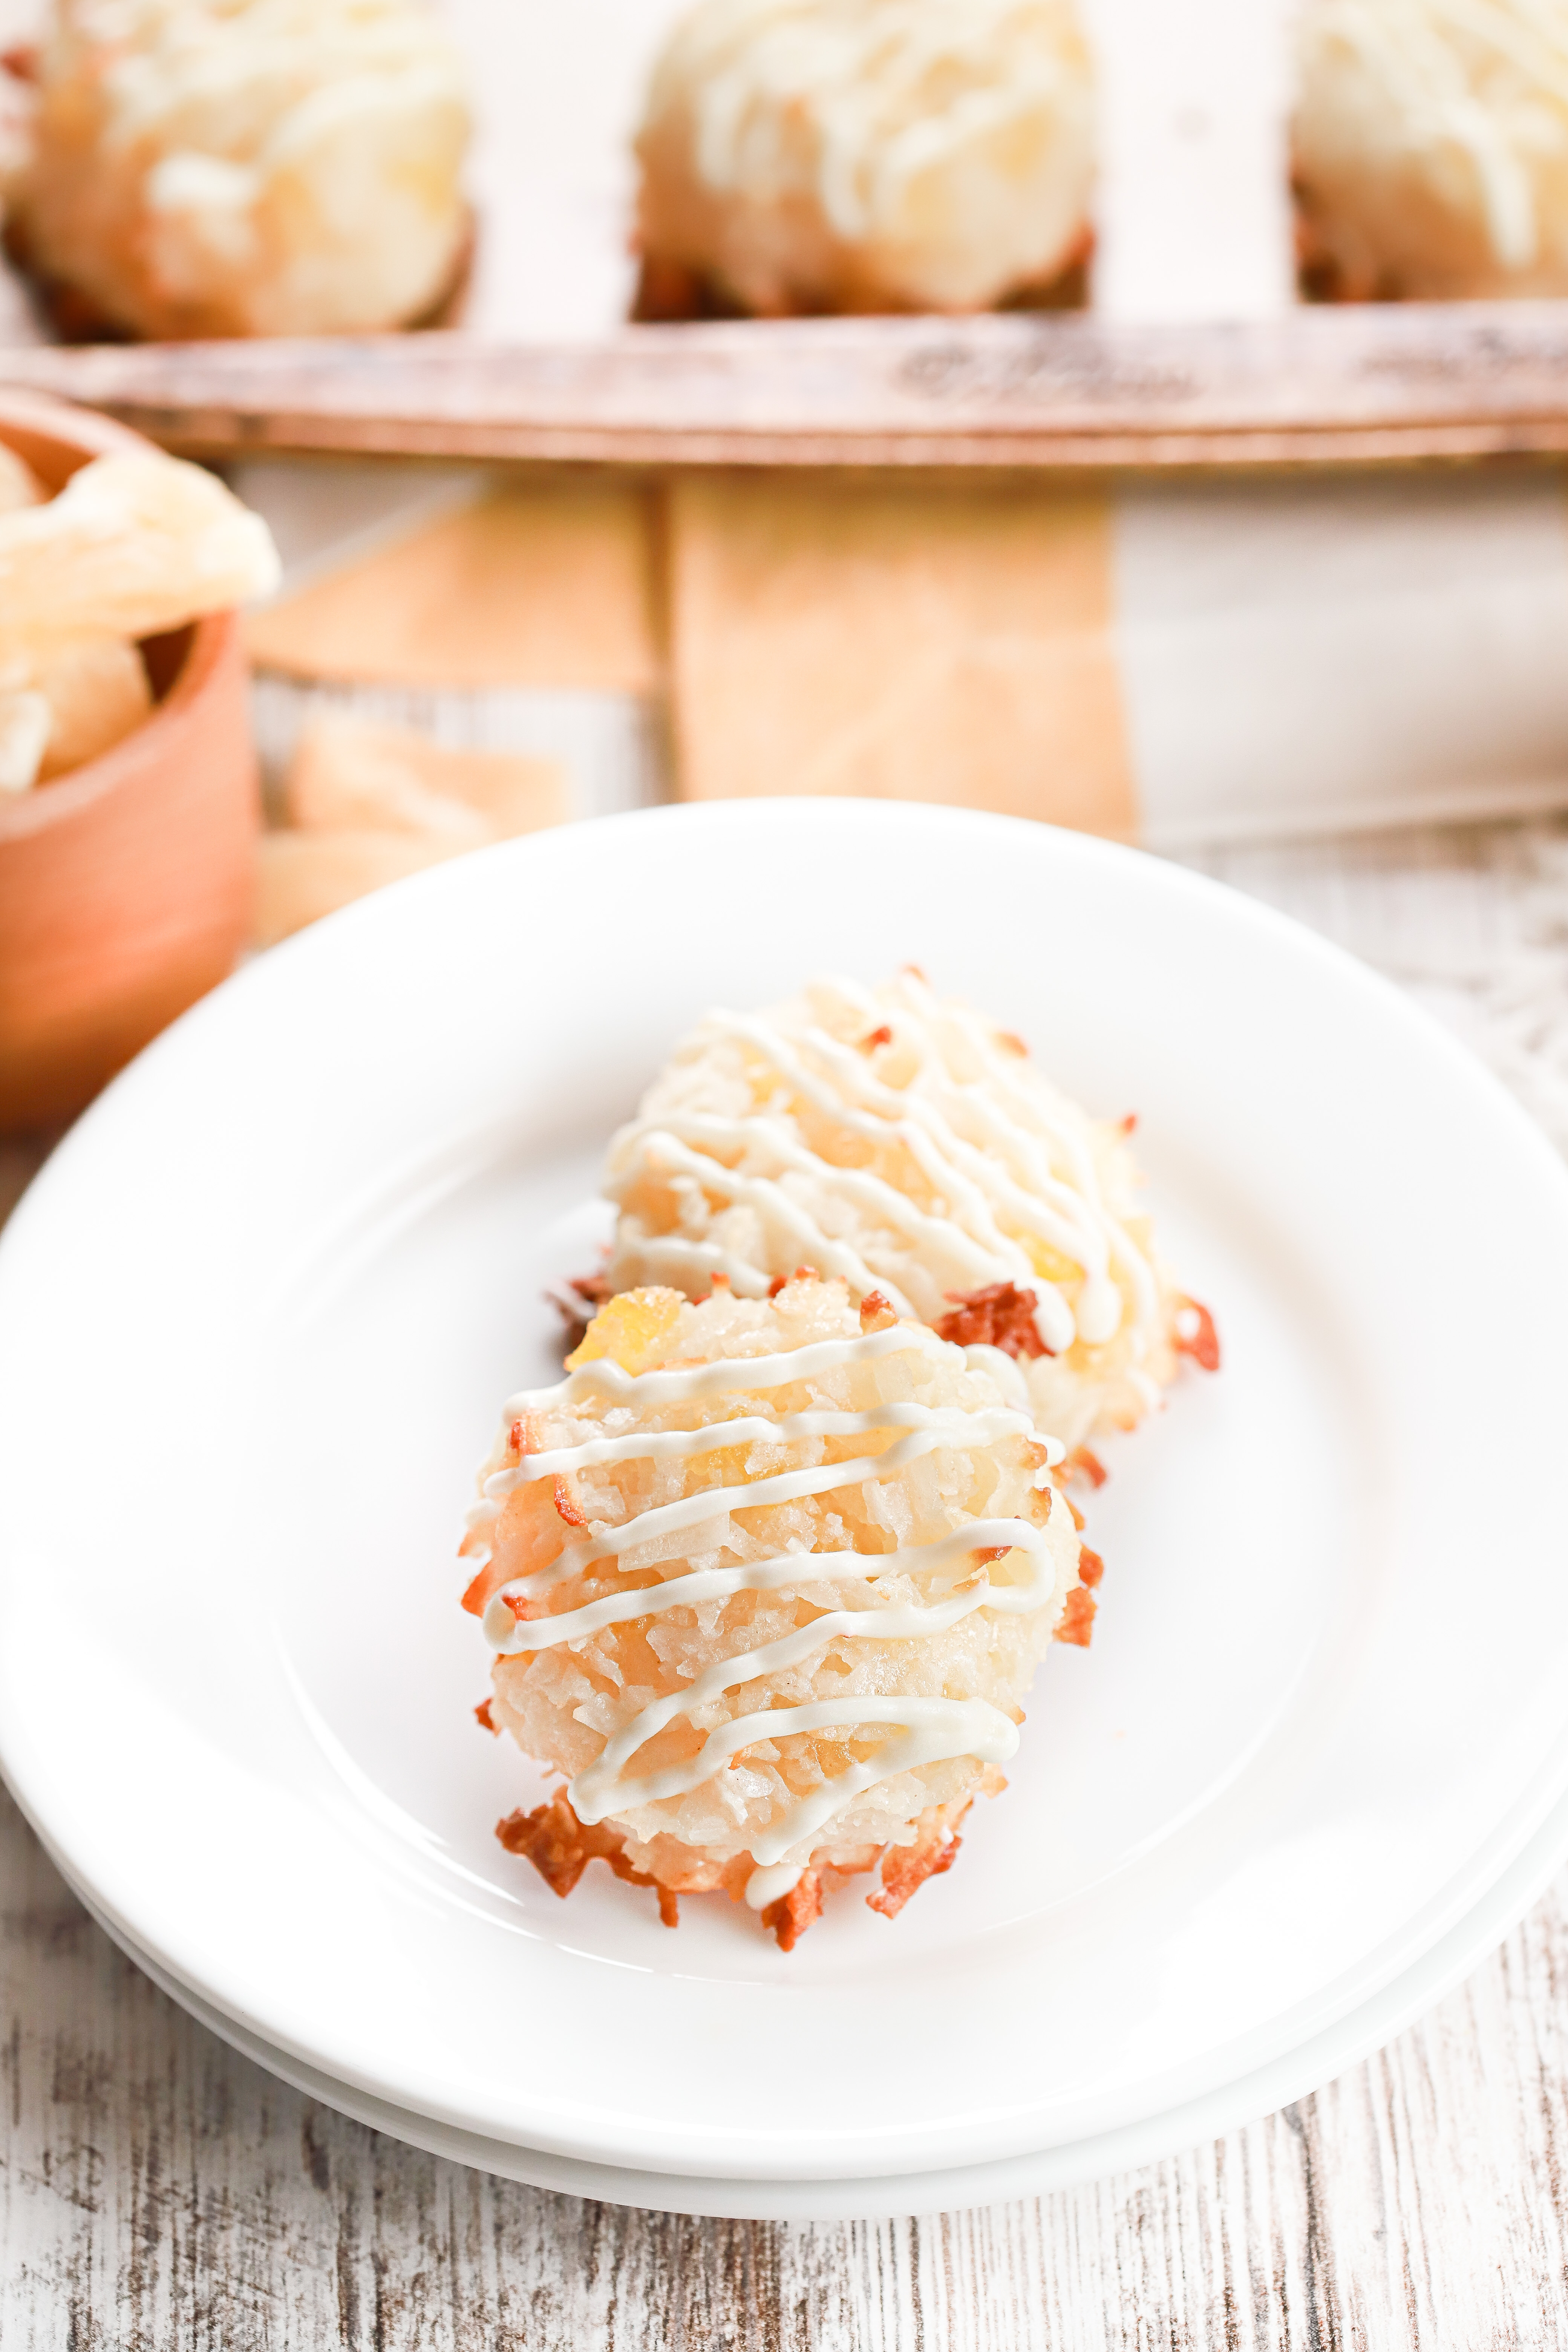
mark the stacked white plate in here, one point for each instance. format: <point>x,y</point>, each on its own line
<point>255,1321</point>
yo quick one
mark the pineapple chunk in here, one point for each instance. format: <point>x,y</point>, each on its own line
<point>630,1329</point>
<point>1053,1265</point>
<point>135,543</point>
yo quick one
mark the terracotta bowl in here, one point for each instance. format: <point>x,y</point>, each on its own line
<point>125,886</point>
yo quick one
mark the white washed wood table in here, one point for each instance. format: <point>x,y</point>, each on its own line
<point>158,2192</point>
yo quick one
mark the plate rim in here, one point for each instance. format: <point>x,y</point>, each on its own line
<point>1231,2106</point>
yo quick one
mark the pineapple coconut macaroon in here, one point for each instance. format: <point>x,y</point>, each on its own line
<point>767,1579</point>
<point>911,1146</point>
<point>1430,145</point>
<point>241,167</point>
<point>769,1574</point>
<point>865,155</point>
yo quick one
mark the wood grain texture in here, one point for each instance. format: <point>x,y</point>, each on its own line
<point>1378,385</point>
<point>158,2192</point>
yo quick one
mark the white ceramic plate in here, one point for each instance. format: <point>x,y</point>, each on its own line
<point>255,1322</point>
<point>959,2186</point>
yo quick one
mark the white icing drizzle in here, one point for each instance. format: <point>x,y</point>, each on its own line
<point>765,1887</point>
<point>927,1730</point>
<point>864,76</point>
<point>960,1242</point>
<point>772,1204</point>
<point>727,1376</point>
<point>688,1265</point>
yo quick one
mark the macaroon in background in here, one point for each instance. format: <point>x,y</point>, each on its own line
<point>175,169</point>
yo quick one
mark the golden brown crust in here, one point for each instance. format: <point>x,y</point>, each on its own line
<point>1000,1315</point>
<point>76,316</point>
<point>1077,1621</point>
<point>561,1847</point>
<point>794,1913</point>
<point>906,1868</point>
<point>671,292</point>
<point>1082,1463</point>
<point>1195,1335</point>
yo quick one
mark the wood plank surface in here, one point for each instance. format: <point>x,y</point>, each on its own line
<point>158,2192</point>
<point>1372,386</point>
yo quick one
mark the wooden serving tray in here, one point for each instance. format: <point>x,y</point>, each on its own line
<point>1379,386</point>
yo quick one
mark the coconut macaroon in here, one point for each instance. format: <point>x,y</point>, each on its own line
<point>768,1579</point>
<point>865,155</point>
<point>910,1147</point>
<point>1431,147</point>
<point>244,167</point>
